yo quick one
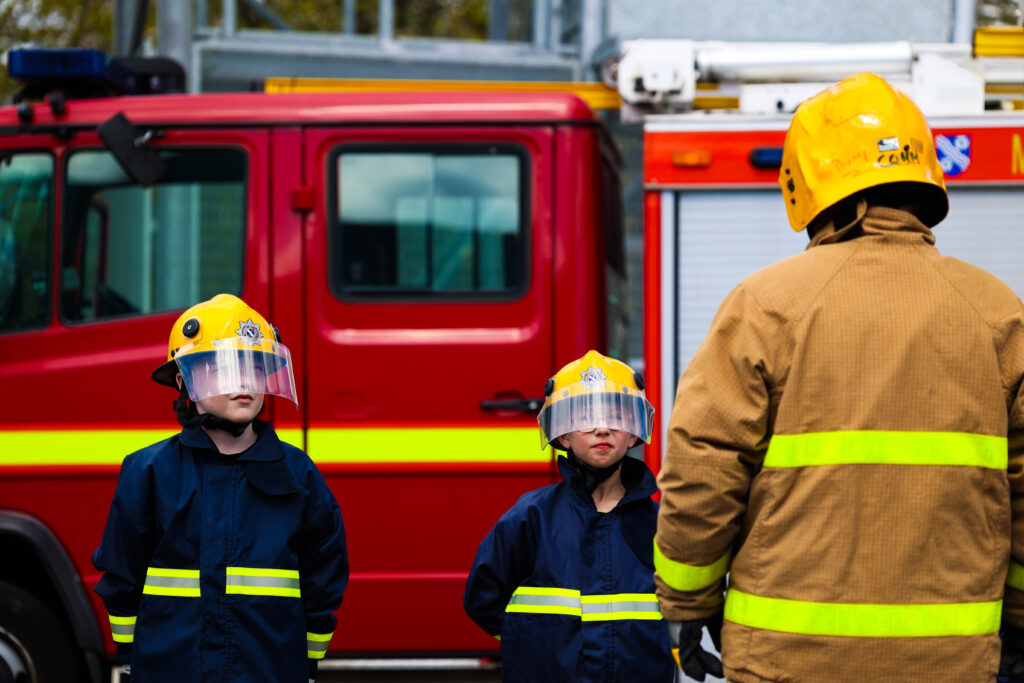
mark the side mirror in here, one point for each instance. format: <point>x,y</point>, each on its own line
<point>140,162</point>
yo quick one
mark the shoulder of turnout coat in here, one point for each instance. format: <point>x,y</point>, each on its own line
<point>570,590</point>
<point>222,568</point>
<point>848,443</point>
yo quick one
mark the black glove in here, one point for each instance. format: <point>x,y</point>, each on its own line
<point>695,661</point>
<point>126,675</point>
<point>1011,661</point>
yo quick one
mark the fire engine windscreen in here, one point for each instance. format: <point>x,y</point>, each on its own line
<point>586,406</point>
<point>235,367</point>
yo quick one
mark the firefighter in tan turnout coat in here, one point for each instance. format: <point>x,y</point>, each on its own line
<point>848,442</point>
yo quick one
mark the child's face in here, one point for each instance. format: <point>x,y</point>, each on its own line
<point>601,447</point>
<point>238,407</point>
<point>234,407</point>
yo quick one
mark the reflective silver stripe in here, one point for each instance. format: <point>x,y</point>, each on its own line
<point>263,582</point>
<point>182,583</point>
<point>545,600</point>
<point>568,602</point>
<point>122,629</point>
<point>619,606</point>
<point>317,646</point>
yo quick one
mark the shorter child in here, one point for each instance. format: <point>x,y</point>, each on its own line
<point>565,578</point>
<point>224,553</point>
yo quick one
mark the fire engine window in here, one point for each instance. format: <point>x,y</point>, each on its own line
<point>26,186</point>
<point>431,224</point>
<point>132,250</point>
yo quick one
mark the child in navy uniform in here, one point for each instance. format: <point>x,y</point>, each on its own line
<point>224,553</point>
<point>566,577</point>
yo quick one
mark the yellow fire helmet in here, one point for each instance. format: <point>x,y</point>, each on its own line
<point>859,133</point>
<point>222,346</point>
<point>591,392</point>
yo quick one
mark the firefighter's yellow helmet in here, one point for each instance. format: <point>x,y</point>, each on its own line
<point>859,133</point>
<point>591,392</point>
<point>222,346</point>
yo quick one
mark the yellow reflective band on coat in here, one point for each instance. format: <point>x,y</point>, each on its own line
<point>569,602</point>
<point>620,606</point>
<point>316,644</point>
<point>1015,577</point>
<point>178,583</point>
<point>122,629</point>
<point>887,448</point>
<point>862,620</point>
<point>687,577</point>
<point>282,583</point>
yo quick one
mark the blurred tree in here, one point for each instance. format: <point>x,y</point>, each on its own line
<point>998,13</point>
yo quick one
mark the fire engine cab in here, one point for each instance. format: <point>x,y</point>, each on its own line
<point>412,248</point>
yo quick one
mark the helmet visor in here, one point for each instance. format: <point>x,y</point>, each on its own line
<point>621,411</point>
<point>234,367</point>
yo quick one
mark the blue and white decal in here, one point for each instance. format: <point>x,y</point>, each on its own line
<point>954,152</point>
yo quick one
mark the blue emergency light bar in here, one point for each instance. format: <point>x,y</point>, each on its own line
<point>67,68</point>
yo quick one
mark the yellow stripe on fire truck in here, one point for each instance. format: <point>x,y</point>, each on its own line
<point>324,445</point>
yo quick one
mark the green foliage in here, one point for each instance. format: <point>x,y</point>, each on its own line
<point>52,23</point>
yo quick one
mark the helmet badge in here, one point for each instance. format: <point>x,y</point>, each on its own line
<point>249,332</point>
<point>592,374</point>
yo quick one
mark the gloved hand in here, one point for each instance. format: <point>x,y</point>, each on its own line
<point>126,675</point>
<point>695,661</point>
<point>1011,661</point>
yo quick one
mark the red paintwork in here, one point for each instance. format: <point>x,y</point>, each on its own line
<point>991,155</point>
<point>412,528</point>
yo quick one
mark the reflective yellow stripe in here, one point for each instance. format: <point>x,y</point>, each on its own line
<point>316,644</point>
<point>1015,577</point>
<point>179,583</point>
<point>862,620</point>
<point>427,444</point>
<point>122,629</point>
<point>620,606</point>
<point>327,445</point>
<point>75,446</point>
<point>687,577</point>
<point>568,602</point>
<point>887,448</point>
<point>262,581</point>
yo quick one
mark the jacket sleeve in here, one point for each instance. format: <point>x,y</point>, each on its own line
<point>503,561</point>
<point>323,566</point>
<point>123,556</point>
<point>1013,352</point>
<point>717,435</point>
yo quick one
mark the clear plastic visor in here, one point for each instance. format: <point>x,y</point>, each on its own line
<point>236,368</point>
<point>599,410</point>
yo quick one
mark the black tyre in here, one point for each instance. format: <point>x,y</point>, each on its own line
<point>34,646</point>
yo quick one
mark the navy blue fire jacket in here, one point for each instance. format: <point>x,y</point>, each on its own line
<point>222,568</point>
<point>570,590</point>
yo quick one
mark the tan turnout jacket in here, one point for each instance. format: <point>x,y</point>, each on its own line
<point>848,443</point>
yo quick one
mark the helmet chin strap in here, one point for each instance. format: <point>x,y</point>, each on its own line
<point>592,476</point>
<point>188,416</point>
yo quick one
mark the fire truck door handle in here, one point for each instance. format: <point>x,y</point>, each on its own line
<point>522,405</point>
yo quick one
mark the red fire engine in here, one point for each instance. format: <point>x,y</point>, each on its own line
<point>431,259</point>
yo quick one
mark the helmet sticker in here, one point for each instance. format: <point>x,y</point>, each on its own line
<point>954,153</point>
<point>888,144</point>
<point>592,374</point>
<point>249,332</point>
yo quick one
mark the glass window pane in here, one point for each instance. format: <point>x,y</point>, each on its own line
<point>26,188</point>
<point>133,250</point>
<point>429,223</point>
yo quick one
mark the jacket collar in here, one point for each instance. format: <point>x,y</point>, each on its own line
<point>636,477</point>
<point>876,221</point>
<point>265,449</point>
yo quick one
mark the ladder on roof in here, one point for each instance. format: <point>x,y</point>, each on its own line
<point>668,76</point>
